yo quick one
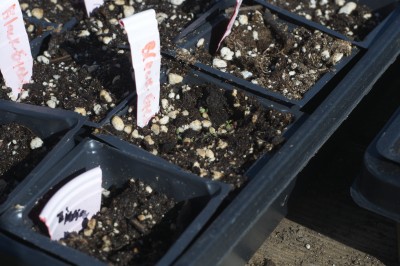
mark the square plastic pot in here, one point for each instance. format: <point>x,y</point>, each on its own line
<point>377,188</point>
<point>195,77</point>
<point>45,123</point>
<point>384,9</point>
<point>211,27</point>
<point>37,46</point>
<point>118,167</point>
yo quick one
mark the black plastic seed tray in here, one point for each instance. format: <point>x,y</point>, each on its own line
<point>382,9</point>
<point>45,124</point>
<point>118,167</point>
<point>211,26</point>
<point>378,185</point>
<point>241,227</point>
<point>13,252</point>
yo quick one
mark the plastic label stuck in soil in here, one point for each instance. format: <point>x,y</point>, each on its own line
<point>78,199</point>
<point>231,21</point>
<point>16,59</point>
<point>146,60</point>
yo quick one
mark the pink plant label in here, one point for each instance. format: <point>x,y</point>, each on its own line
<point>231,21</point>
<point>80,198</point>
<point>92,4</point>
<point>16,58</point>
<point>144,40</point>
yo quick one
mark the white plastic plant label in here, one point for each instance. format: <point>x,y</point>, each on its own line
<point>144,40</point>
<point>16,58</point>
<point>231,21</point>
<point>92,4</point>
<point>78,199</point>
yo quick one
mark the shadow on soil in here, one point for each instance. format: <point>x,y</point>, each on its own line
<point>321,199</point>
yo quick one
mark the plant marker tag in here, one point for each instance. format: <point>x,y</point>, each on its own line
<point>78,199</point>
<point>231,21</point>
<point>16,59</point>
<point>144,40</point>
<point>92,4</point>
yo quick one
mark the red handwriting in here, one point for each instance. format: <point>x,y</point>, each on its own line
<point>146,109</point>
<point>148,55</point>
<point>10,17</point>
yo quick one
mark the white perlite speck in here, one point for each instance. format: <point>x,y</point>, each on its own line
<point>97,109</point>
<point>336,57</point>
<point>105,95</point>
<point>348,8</point>
<point>340,2</point>
<point>128,11</point>
<point>200,43</point>
<point>43,59</point>
<point>36,143</point>
<point>84,33</point>
<point>37,13</point>
<point>325,55</point>
<point>80,110</point>
<point>164,120</point>
<point>149,189</point>
<point>195,125</point>
<point>119,2</point>
<point>246,74</point>
<point>176,2</point>
<point>226,53</point>
<point>243,20</point>
<point>160,17</point>
<point>117,123</point>
<point>174,78</point>
<point>219,63</point>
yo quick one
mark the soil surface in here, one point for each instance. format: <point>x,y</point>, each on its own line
<point>206,130</point>
<point>353,21</point>
<point>266,51</point>
<point>19,155</point>
<point>136,225</point>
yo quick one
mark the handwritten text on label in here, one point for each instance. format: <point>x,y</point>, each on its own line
<point>70,216</point>
<point>16,62</point>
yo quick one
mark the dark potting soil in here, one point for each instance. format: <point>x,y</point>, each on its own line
<point>267,52</point>
<point>136,225</point>
<point>212,132</point>
<point>18,157</point>
<point>334,14</point>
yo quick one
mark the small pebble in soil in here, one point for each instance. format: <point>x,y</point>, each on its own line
<point>80,110</point>
<point>200,42</point>
<point>219,63</point>
<point>36,143</point>
<point>348,8</point>
<point>117,123</point>
<point>37,13</point>
<point>174,78</point>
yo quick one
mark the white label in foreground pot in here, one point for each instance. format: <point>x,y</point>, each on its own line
<point>144,40</point>
<point>78,199</point>
<point>16,58</point>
